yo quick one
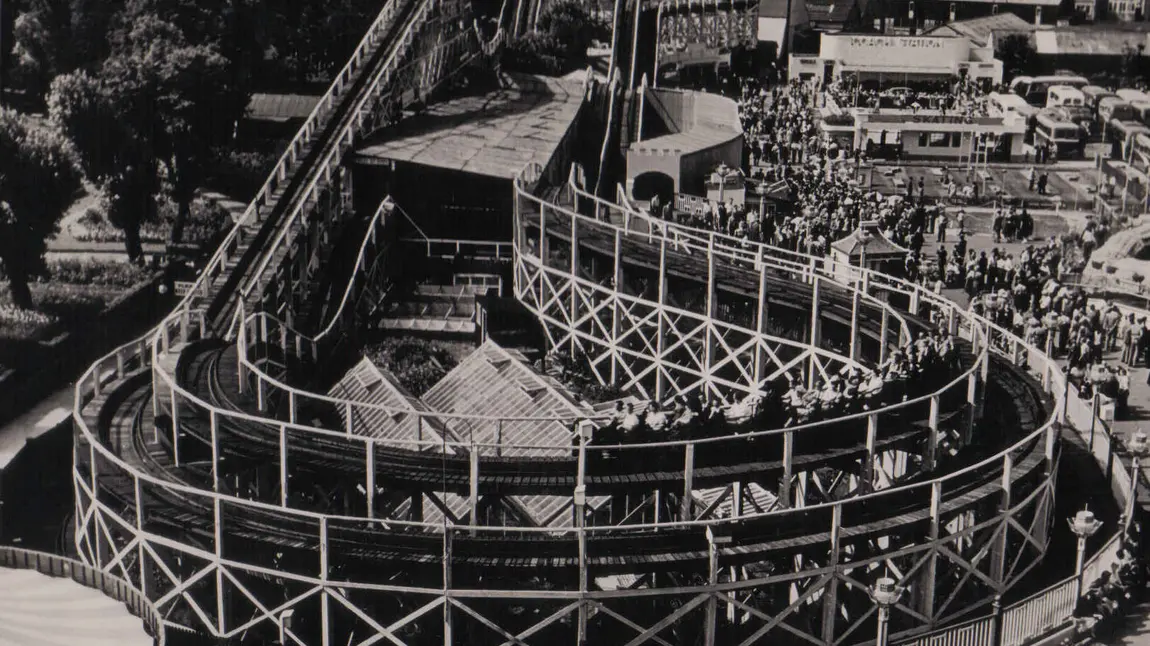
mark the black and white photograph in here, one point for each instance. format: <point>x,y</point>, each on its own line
<point>574,322</point>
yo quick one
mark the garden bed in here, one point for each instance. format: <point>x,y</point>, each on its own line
<point>71,295</point>
<point>208,219</point>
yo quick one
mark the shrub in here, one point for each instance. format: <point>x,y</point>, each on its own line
<point>80,272</point>
<point>418,364</point>
<point>239,174</point>
<point>1137,278</point>
<point>534,53</point>
<point>1110,269</point>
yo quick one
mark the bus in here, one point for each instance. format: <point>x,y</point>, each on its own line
<point>1142,111</point>
<point>1121,135</point>
<point>1078,114</point>
<point>1064,136</point>
<point>998,104</point>
<point>1130,95</point>
<point>1064,95</point>
<point>1035,88</point>
<point>1140,156</point>
<point>1092,93</point>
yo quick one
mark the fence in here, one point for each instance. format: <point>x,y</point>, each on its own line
<point>89,577</point>
<point>1048,611</point>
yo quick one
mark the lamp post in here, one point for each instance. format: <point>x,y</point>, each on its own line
<point>1139,447</point>
<point>1084,525</point>
<point>885,594</point>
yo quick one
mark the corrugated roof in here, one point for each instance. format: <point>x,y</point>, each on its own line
<point>495,134</point>
<point>756,499</point>
<point>834,11</point>
<point>1110,40</point>
<point>773,8</point>
<point>369,384</point>
<point>498,383</point>
<point>979,30</point>
<point>876,245</point>
<point>281,107</point>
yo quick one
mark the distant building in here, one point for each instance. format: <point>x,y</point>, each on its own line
<point>981,32</point>
<point>1088,49</point>
<point>898,59</point>
<point>918,16</point>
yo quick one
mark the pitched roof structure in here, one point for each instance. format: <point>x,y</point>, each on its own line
<point>877,245</point>
<point>398,417</point>
<point>980,30</point>
<point>492,382</point>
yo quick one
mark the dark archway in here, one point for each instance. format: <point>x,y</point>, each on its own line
<point>652,183</point>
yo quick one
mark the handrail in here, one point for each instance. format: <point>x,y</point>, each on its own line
<point>1045,431</point>
<point>110,585</point>
<point>333,156</point>
<point>279,173</point>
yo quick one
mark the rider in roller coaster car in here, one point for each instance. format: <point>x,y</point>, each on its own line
<point>920,366</point>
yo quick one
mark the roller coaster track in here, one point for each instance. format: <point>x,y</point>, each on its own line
<point>233,516</point>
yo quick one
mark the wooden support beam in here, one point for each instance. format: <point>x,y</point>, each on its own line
<point>931,458</point>
<point>661,334</point>
<point>617,307</point>
<point>998,551</point>
<point>930,568</point>
<point>788,468</point>
<point>283,467</point>
<point>688,482</point>
<point>830,589</point>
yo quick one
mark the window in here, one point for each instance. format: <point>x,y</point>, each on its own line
<point>939,140</point>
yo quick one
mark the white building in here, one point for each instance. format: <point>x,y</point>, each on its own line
<point>897,59</point>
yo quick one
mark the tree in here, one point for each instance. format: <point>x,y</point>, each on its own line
<point>157,103</point>
<point>109,125</point>
<point>39,179</point>
<point>55,37</point>
<point>1131,67</point>
<point>184,93</point>
<point>569,23</point>
<point>1017,54</point>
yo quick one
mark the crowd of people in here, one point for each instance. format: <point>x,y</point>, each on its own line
<point>960,96</point>
<point>912,369</point>
<point>1104,603</point>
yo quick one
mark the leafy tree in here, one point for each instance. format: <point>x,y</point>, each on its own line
<point>183,92</point>
<point>55,37</point>
<point>569,23</point>
<point>1132,65</point>
<point>39,179</point>
<point>1017,54</point>
<point>108,124</point>
<point>158,103</point>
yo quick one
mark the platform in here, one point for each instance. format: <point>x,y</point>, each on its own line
<point>46,611</point>
<point>495,134</point>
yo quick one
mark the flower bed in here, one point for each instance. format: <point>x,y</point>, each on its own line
<point>79,272</point>
<point>418,364</point>
<point>207,220</point>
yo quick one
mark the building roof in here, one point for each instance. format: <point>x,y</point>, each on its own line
<point>773,8</point>
<point>876,244</point>
<point>495,134</point>
<point>697,121</point>
<point>832,11</point>
<point>396,418</point>
<point>281,107</point>
<point>1109,40</point>
<point>496,382</point>
<point>979,30</point>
